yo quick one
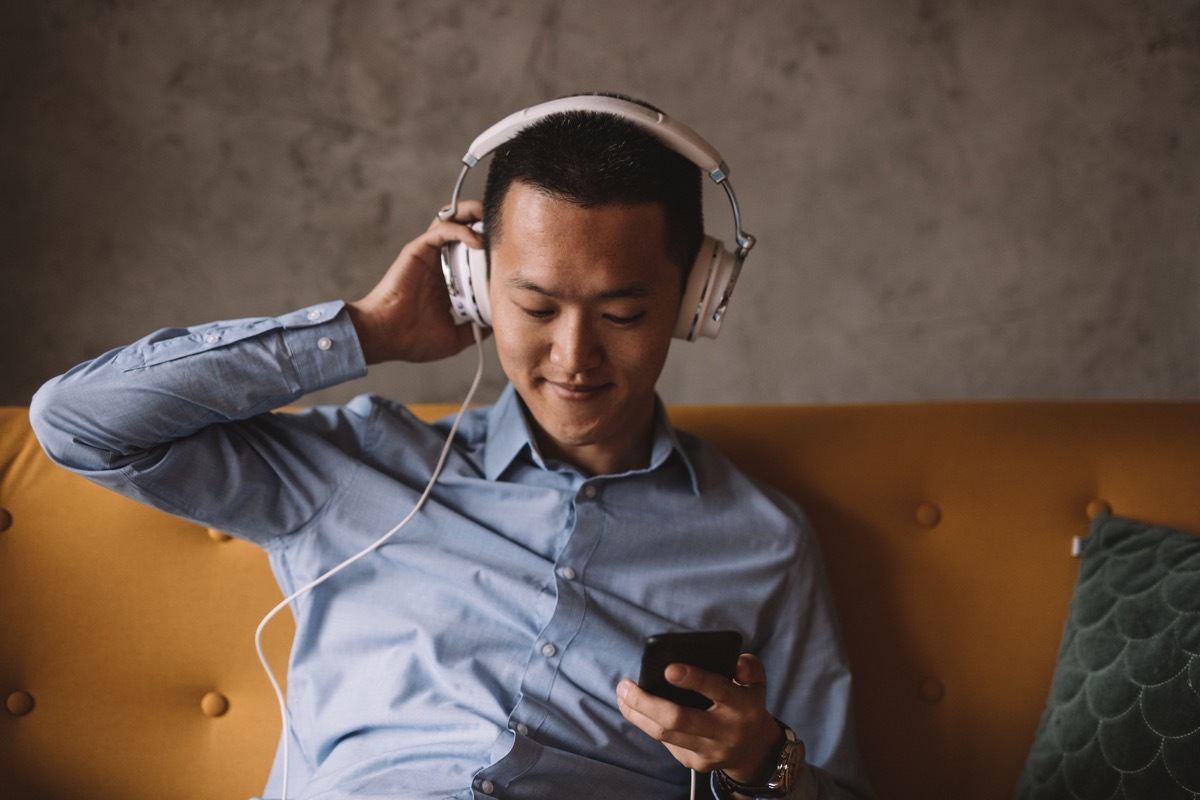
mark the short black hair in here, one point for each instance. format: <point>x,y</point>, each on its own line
<point>594,159</point>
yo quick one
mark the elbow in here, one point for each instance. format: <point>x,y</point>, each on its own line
<point>45,417</point>
<point>57,414</point>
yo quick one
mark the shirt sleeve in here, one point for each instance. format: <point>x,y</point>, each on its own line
<point>177,420</point>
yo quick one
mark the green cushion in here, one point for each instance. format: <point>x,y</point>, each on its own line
<point>1123,716</point>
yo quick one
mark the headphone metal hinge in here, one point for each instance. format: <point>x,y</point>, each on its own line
<point>719,174</point>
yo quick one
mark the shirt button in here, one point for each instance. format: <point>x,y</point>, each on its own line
<point>324,343</point>
<point>568,574</point>
<point>548,650</point>
<point>488,787</point>
<point>212,338</point>
<point>314,314</point>
<point>522,729</point>
<point>589,492</point>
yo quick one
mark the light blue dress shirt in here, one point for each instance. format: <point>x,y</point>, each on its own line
<point>477,652</point>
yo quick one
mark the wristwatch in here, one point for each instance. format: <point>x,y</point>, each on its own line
<point>782,780</point>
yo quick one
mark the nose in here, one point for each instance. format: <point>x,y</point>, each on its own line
<point>575,348</point>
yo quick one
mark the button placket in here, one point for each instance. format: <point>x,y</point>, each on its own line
<point>586,521</point>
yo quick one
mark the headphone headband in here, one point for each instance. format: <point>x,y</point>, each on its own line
<point>715,272</point>
<point>676,135</point>
<point>673,134</point>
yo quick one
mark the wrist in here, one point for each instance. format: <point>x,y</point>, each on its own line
<point>372,338</point>
<point>757,771</point>
<point>781,777</point>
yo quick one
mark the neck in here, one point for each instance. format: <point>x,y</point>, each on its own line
<point>592,460</point>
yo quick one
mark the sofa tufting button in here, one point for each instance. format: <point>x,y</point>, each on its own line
<point>218,536</point>
<point>932,691</point>
<point>928,515</point>
<point>5,519</point>
<point>1098,508</point>
<point>19,703</point>
<point>214,704</point>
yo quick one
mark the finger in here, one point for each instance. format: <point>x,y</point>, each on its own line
<point>455,229</point>
<point>750,671</point>
<point>630,695</point>
<point>665,717</point>
<point>636,704</point>
<point>427,247</point>
<point>748,685</point>
<point>465,212</point>
<point>712,685</point>
<point>660,719</point>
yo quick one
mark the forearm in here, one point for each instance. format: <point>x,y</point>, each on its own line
<point>175,382</point>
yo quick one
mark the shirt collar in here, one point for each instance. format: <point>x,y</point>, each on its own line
<point>509,434</point>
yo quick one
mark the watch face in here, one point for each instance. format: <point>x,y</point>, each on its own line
<point>785,772</point>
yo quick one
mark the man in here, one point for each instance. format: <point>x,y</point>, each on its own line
<point>485,650</point>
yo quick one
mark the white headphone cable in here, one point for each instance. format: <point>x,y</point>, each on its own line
<point>437,470</point>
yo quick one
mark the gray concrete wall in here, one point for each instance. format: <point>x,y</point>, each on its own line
<point>953,199</point>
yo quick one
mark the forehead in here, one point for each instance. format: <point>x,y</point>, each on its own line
<point>546,238</point>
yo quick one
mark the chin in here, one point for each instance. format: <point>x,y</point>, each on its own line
<point>575,435</point>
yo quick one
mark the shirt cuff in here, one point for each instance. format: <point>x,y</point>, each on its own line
<point>323,346</point>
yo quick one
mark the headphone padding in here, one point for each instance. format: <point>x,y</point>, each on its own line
<point>710,278</point>
<point>467,272</point>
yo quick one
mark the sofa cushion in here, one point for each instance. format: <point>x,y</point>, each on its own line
<point>1123,716</point>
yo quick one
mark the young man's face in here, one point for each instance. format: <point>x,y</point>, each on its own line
<point>584,303</point>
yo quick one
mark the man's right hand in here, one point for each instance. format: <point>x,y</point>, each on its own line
<point>406,317</point>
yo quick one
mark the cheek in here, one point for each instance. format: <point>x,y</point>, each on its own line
<point>640,357</point>
<point>514,347</point>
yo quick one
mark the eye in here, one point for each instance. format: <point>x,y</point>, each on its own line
<point>538,313</point>
<point>617,319</point>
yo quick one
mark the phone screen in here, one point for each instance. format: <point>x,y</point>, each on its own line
<point>714,651</point>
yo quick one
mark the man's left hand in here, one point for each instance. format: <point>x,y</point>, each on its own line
<point>736,734</point>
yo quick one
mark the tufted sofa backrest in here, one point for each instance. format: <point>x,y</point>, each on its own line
<point>127,666</point>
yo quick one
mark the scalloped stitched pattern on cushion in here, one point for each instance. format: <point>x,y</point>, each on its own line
<point>1123,717</point>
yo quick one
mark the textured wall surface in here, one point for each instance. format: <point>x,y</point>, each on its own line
<point>953,199</point>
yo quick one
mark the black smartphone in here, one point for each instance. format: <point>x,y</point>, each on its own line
<point>715,651</point>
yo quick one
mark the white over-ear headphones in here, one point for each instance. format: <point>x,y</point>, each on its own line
<point>713,275</point>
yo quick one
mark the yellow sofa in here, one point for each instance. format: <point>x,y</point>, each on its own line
<point>127,666</point>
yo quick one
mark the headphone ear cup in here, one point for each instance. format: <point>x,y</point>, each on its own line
<point>466,273</point>
<point>707,293</point>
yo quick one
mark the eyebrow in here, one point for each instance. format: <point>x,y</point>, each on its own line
<point>631,291</point>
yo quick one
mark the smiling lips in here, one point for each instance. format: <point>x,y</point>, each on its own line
<point>576,392</point>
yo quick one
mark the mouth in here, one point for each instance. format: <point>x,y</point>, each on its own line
<point>577,392</point>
